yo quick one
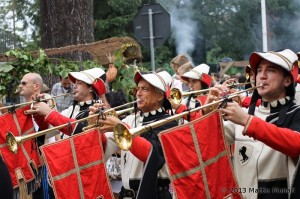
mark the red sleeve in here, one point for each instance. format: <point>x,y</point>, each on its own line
<point>193,115</point>
<point>246,102</point>
<point>140,148</point>
<point>40,121</point>
<point>284,140</point>
<point>56,119</point>
<point>180,109</point>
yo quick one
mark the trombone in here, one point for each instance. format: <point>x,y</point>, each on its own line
<point>36,100</point>
<point>176,95</point>
<point>123,136</point>
<point>14,141</point>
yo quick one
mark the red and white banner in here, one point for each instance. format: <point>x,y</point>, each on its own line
<point>198,161</point>
<point>26,161</point>
<point>77,167</point>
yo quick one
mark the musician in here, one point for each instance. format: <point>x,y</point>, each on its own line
<point>89,88</point>
<point>143,169</point>
<point>267,139</point>
<point>244,98</point>
<point>198,79</point>
<point>30,87</point>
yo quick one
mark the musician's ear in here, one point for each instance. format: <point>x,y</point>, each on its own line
<point>287,81</point>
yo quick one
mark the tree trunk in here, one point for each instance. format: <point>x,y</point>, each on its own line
<point>63,23</point>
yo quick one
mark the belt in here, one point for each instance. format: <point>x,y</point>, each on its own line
<point>127,193</point>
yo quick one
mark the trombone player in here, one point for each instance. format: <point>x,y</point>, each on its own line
<point>267,139</point>
<point>144,173</point>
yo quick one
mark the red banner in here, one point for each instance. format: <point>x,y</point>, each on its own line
<point>77,167</point>
<point>198,161</point>
<point>26,161</point>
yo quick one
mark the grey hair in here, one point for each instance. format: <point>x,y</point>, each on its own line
<point>161,93</point>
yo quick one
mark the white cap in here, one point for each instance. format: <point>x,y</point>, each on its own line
<point>166,77</point>
<point>87,76</point>
<point>159,80</point>
<point>200,73</point>
<point>94,77</point>
<point>287,59</point>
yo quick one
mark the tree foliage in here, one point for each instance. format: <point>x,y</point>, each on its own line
<point>12,72</point>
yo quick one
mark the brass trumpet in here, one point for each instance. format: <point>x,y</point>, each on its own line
<point>123,136</point>
<point>176,95</point>
<point>13,141</point>
<point>93,122</point>
<point>47,98</point>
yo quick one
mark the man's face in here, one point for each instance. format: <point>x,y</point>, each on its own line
<point>27,87</point>
<point>82,92</point>
<point>194,84</point>
<point>273,82</point>
<point>149,98</point>
<point>66,83</point>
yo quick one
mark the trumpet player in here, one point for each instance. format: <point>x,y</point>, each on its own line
<point>267,139</point>
<point>244,98</point>
<point>89,88</point>
<point>198,79</point>
<point>143,169</point>
<point>30,87</point>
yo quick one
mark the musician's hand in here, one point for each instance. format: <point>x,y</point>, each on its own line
<point>216,92</point>
<point>234,113</point>
<point>108,124</point>
<point>39,108</point>
<point>230,82</point>
<point>96,108</point>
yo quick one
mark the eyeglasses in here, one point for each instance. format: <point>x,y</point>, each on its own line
<point>23,83</point>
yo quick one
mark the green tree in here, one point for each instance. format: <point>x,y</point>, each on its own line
<point>20,18</point>
<point>113,18</point>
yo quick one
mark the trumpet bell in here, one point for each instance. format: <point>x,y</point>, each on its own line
<point>12,142</point>
<point>175,96</point>
<point>123,137</point>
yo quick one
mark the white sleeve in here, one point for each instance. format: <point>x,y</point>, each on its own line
<point>111,147</point>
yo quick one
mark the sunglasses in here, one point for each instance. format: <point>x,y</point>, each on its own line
<point>23,83</point>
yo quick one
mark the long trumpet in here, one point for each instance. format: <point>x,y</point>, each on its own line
<point>176,95</point>
<point>36,100</point>
<point>93,122</point>
<point>123,136</point>
<point>111,111</point>
<point>14,141</point>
